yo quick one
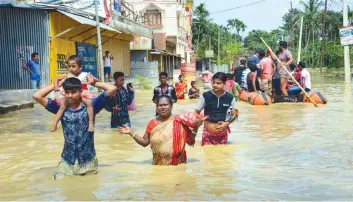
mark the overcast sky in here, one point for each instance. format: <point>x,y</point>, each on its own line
<point>266,15</point>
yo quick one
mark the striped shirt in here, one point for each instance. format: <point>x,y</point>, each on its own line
<point>158,91</point>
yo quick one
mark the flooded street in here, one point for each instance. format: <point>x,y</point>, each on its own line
<point>279,152</point>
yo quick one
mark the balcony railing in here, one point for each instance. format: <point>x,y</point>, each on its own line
<point>127,10</point>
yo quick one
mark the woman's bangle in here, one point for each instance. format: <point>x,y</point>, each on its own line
<point>133,135</point>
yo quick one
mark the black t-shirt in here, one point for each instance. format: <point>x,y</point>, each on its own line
<point>238,72</point>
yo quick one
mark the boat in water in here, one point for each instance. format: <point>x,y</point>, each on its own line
<point>256,98</point>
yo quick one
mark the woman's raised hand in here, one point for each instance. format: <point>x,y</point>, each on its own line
<point>124,130</point>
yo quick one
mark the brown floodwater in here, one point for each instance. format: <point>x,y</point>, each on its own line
<point>279,152</point>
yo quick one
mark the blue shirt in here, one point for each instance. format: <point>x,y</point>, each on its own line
<point>120,99</point>
<point>254,59</point>
<point>78,142</point>
<point>35,68</point>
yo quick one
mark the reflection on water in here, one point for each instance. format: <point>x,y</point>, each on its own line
<point>278,152</point>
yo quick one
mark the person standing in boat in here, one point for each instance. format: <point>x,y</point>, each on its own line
<point>266,67</point>
<point>305,80</point>
<point>239,71</point>
<point>251,80</point>
<point>305,75</point>
<point>220,107</point>
<point>286,58</point>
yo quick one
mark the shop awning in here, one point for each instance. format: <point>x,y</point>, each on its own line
<point>83,21</point>
<point>87,21</point>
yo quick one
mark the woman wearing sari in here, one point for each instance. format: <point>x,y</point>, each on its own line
<point>181,87</point>
<point>167,134</point>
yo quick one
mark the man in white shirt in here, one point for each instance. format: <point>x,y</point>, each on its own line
<point>305,77</point>
<point>108,64</point>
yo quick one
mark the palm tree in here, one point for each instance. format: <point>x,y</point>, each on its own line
<point>231,24</point>
<point>202,20</point>
<point>311,10</point>
<point>236,24</point>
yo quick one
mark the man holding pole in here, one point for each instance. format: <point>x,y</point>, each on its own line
<point>284,67</point>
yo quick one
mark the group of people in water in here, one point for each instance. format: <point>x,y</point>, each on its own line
<point>272,74</point>
<point>167,134</point>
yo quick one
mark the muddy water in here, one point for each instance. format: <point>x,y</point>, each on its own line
<point>279,152</point>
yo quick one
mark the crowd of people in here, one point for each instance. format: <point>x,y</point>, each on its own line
<point>272,74</point>
<point>166,133</point>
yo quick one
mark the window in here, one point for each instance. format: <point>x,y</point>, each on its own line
<point>153,18</point>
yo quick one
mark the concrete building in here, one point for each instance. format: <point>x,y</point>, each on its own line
<point>171,23</point>
<point>57,31</point>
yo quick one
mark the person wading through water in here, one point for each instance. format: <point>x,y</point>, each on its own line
<point>168,134</point>
<point>220,107</point>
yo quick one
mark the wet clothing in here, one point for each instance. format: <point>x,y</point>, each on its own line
<point>180,89</point>
<point>78,142</point>
<point>216,107</point>
<point>120,99</point>
<point>193,92</point>
<point>232,87</point>
<point>169,138</point>
<point>209,138</point>
<point>158,91</point>
<point>266,86</point>
<point>64,169</point>
<point>238,74</point>
<point>250,78</point>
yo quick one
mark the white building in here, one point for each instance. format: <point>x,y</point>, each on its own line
<point>168,18</point>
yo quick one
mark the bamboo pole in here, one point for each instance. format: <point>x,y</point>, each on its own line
<point>269,48</point>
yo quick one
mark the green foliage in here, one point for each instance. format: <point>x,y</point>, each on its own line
<point>205,36</point>
<point>144,82</point>
<point>312,12</point>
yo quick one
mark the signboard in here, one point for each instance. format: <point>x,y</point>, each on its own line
<point>176,74</point>
<point>141,43</point>
<point>89,58</point>
<point>208,53</point>
<point>188,69</point>
<point>346,35</point>
<point>82,5</point>
<point>117,6</point>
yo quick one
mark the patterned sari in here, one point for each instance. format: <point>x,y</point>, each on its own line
<point>168,139</point>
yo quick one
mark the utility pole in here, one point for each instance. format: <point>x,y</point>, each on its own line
<point>210,64</point>
<point>291,31</point>
<point>218,58</point>
<point>99,41</point>
<point>300,37</point>
<point>347,65</point>
<point>323,38</point>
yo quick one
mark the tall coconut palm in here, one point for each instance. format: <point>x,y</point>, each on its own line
<point>311,10</point>
<point>201,20</point>
<point>237,25</point>
<point>231,23</point>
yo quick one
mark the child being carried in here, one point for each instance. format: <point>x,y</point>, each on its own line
<point>75,70</point>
